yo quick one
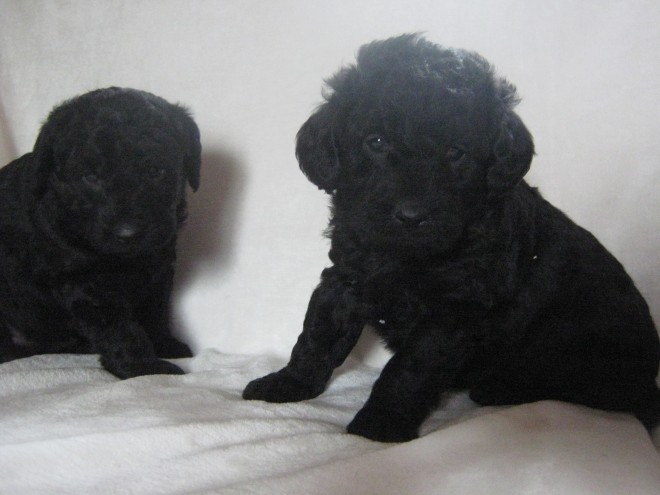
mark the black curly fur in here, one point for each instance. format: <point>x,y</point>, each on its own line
<point>466,272</point>
<point>88,224</point>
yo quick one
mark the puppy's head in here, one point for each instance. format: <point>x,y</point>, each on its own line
<point>412,141</point>
<point>111,169</point>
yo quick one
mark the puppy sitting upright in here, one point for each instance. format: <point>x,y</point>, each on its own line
<point>88,224</point>
<point>469,276</point>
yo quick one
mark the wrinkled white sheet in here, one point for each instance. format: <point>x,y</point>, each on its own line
<point>251,252</point>
<point>68,426</point>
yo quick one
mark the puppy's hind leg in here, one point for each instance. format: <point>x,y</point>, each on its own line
<point>332,326</point>
<point>584,371</point>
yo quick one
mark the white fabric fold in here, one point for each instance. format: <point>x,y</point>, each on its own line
<point>68,426</point>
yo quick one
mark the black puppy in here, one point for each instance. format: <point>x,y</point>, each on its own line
<point>88,224</point>
<point>469,276</point>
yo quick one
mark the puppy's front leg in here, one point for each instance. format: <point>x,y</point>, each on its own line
<point>407,390</point>
<point>153,314</point>
<point>332,326</point>
<point>124,347</point>
<point>126,352</point>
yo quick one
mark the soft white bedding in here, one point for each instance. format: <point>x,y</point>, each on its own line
<point>252,250</point>
<point>68,426</point>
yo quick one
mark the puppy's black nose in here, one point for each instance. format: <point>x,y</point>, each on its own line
<point>410,215</point>
<point>126,230</point>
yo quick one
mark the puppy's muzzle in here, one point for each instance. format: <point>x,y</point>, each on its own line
<point>125,231</point>
<point>410,215</point>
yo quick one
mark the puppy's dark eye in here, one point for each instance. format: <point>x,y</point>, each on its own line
<point>455,155</point>
<point>91,180</point>
<point>155,173</point>
<point>376,143</point>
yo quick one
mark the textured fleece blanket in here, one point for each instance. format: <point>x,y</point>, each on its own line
<point>67,426</point>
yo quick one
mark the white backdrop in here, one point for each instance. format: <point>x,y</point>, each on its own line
<point>251,72</point>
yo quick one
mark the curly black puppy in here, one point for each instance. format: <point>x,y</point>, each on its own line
<point>88,224</point>
<point>469,276</point>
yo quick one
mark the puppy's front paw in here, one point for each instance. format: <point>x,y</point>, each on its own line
<point>280,387</point>
<point>132,369</point>
<point>382,426</point>
<point>172,348</point>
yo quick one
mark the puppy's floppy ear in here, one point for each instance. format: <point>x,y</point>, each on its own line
<point>192,158</point>
<point>316,150</point>
<point>512,151</point>
<point>44,154</point>
<point>43,157</point>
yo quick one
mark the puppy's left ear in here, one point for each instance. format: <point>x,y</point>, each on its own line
<point>192,158</point>
<point>513,152</point>
<point>44,155</point>
<point>316,150</point>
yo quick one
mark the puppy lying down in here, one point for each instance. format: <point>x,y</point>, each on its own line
<point>88,224</point>
<point>465,271</point>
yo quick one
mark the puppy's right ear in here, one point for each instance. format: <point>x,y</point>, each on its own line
<point>316,150</point>
<point>513,152</point>
<point>43,156</point>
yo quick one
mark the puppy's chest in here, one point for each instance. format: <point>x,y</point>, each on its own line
<point>398,303</point>
<point>395,302</point>
<point>392,301</point>
<point>103,285</point>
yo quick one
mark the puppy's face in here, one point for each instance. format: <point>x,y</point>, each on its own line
<point>116,195</point>
<point>411,175</point>
<point>115,171</point>
<point>412,143</point>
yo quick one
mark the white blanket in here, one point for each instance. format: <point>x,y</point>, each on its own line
<point>251,252</point>
<point>67,426</point>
